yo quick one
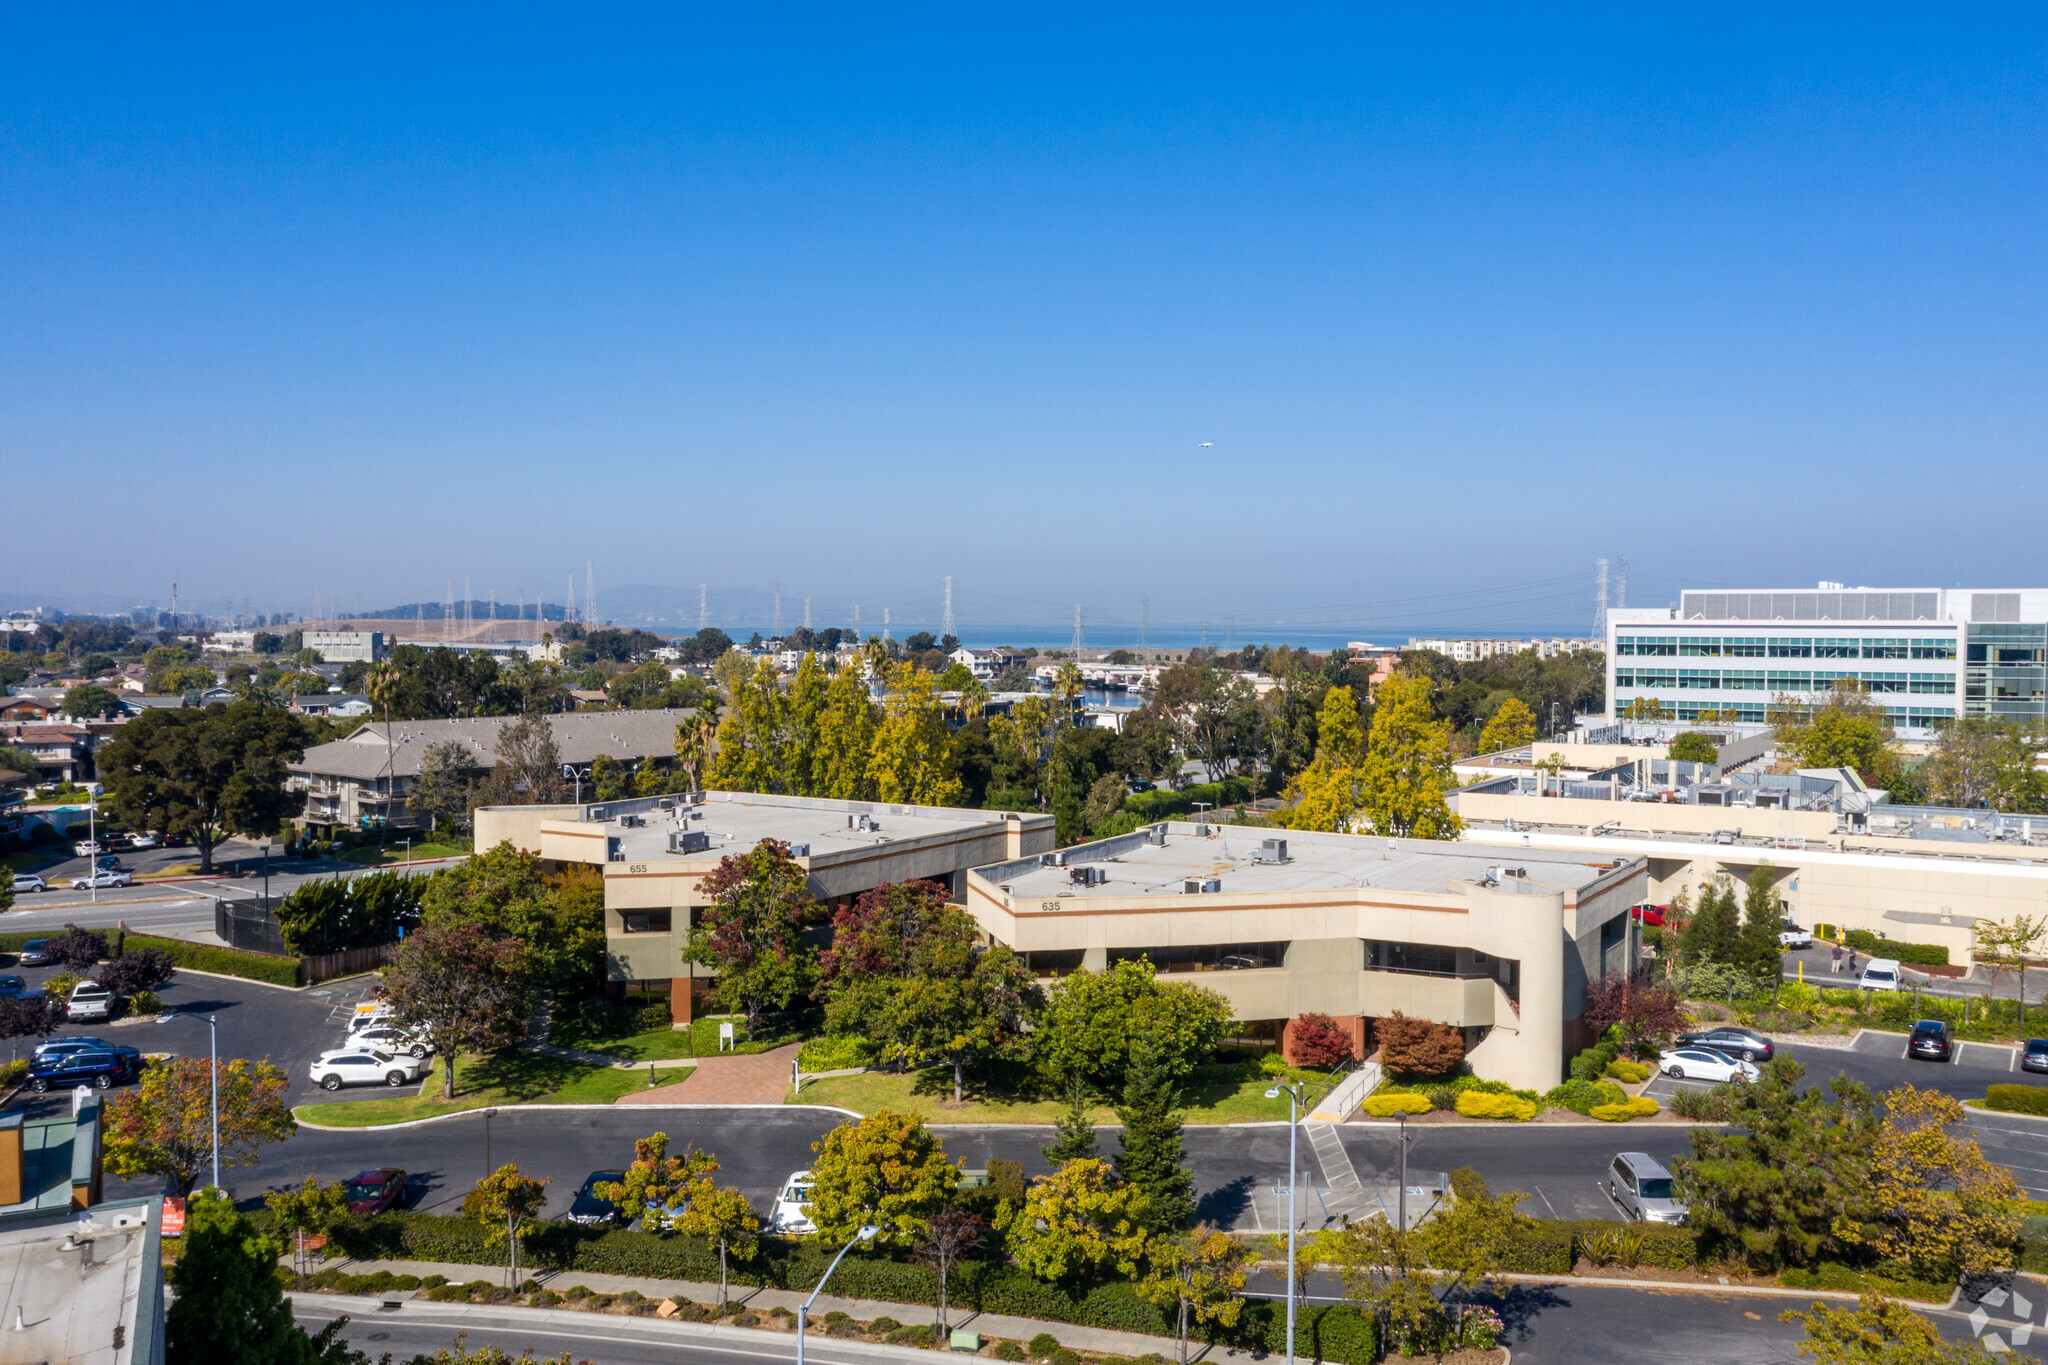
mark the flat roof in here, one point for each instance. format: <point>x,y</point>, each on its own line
<point>1316,862</point>
<point>736,821</point>
<point>87,1286</point>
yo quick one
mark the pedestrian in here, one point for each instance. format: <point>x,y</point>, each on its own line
<point>1835,959</point>
<point>1852,962</point>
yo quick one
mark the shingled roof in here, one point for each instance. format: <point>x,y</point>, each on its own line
<point>580,735</point>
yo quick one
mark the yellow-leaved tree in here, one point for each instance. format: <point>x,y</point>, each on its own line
<point>1948,1210</point>
<point>1513,725</point>
<point>1198,1274</point>
<point>846,732</point>
<point>911,761</point>
<point>1329,786</point>
<point>750,738</point>
<point>1407,768</point>
<point>1079,1220</point>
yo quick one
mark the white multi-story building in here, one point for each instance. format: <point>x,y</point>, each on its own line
<point>1928,654</point>
<point>1479,650</point>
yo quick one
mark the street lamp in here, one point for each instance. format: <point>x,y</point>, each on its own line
<point>213,1048</point>
<point>266,874</point>
<point>1294,1102</point>
<point>803,1311</point>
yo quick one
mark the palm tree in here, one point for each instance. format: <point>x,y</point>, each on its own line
<point>693,743</point>
<point>1067,685</point>
<point>973,700</point>
<point>381,685</point>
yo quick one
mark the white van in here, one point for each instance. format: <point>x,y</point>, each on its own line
<point>1880,974</point>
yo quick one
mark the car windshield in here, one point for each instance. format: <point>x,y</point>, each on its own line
<point>796,1194</point>
<point>1656,1187</point>
<point>589,1190</point>
<point>364,1189</point>
<point>1879,976</point>
<point>1927,1026</point>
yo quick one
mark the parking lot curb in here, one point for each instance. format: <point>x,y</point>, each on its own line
<point>503,1109</point>
<point>1978,1107</point>
<point>1761,1291</point>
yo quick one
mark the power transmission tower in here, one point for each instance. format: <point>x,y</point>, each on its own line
<point>946,621</point>
<point>1205,637</point>
<point>448,611</point>
<point>491,629</point>
<point>174,606</point>
<point>1229,633</point>
<point>569,602</point>
<point>1621,583</point>
<point>468,611</point>
<point>778,611</point>
<point>1144,618</point>
<point>703,605</point>
<point>885,623</point>
<point>807,613</point>
<point>1599,599</point>
<point>1077,631</point>
<point>589,593</point>
<point>856,618</point>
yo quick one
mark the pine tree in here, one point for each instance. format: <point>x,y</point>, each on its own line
<point>230,1303</point>
<point>1154,1155</point>
<point>1756,947</point>
<point>1073,1131</point>
<point>1716,929</point>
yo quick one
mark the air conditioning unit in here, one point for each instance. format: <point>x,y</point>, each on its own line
<point>1201,886</point>
<point>1271,851</point>
<point>1157,835</point>
<point>630,822</point>
<point>689,841</point>
<point>1059,859</point>
<point>799,850</point>
<point>1201,829</point>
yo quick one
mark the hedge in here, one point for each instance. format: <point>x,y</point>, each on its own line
<point>1394,1102</point>
<point>2017,1099</point>
<point>278,971</point>
<point>1159,804</point>
<point>1336,1332</point>
<point>1582,1096</point>
<point>1477,1104</point>
<point>1919,954</point>
<point>1635,1107</point>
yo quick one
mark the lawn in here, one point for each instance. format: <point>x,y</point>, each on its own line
<point>930,1092</point>
<point>506,1079</point>
<point>399,853</point>
<point>612,1038</point>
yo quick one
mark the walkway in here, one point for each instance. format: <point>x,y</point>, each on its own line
<point>756,1078</point>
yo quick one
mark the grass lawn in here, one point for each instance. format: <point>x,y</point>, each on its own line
<point>397,853</point>
<point>699,1040</point>
<point>930,1092</point>
<point>506,1079</point>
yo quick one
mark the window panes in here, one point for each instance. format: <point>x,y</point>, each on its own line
<point>1207,957</point>
<point>1791,649</point>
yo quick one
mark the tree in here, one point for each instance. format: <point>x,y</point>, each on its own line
<point>657,1183</point>
<point>28,1017</point>
<point>529,767</point>
<point>504,1201</point>
<point>1848,730</point>
<point>909,761</point>
<point>1092,1019</point>
<point>1199,1274</point>
<point>1073,1132</point>
<point>749,931</point>
<point>382,684</point>
<point>1418,1047</point>
<point>1467,1243</point>
<point>1329,787</point>
<point>1694,747</point>
<point>723,1217</point>
<point>1943,1208</point>
<point>1407,768</point>
<point>949,1238</point>
<point>335,914</point>
<point>1878,1332</point>
<point>1154,1153</point>
<point>306,1212</point>
<point>752,742</point>
<point>1757,950</point>
<point>1513,727</point>
<point>444,789</point>
<point>2011,944</point>
<point>695,739</point>
<point>846,735</point>
<point>1377,1263</point>
<point>230,1304</point>
<point>90,702</point>
<point>1079,1220</point>
<point>1985,761</point>
<point>460,988</point>
<point>887,1170</point>
<point>1714,931</point>
<point>558,920</point>
<point>205,773</point>
<point>138,970</point>
<point>77,947</point>
<point>1315,1040</point>
<point>1644,1013</point>
<point>164,1127</point>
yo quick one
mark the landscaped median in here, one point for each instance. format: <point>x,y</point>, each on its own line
<point>508,1078</point>
<point>1228,1092</point>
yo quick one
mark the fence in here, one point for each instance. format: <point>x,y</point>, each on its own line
<point>249,926</point>
<point>327,966</point>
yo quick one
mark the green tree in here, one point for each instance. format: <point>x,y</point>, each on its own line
<point>1848,730</point>
<point>90,702</point>
<point>230,1303</point>
<point>306,1211</point>
<point>1407,768</point>
<point>1944,1209</point>
<point>1080,1220</point>
<point>1513,726</point>
<point>749,932</point>
<point>1073,1131</point>
<point>1154,1152</point>
<point>722,1216</point>
<point>503,892</point>
<point>463,989</point>
<point>164,1127</point>
<point>1694,747</point>
<point>803,718</point>
<point>504,1202</point>
<point>204,773</point>
<point>2011,944</point>
<point>910,760</point>
<point>1879,1331</point>
<point>887,1170</point>
<point>1199,1275</point>
<point>444,789</point>
<point>1983,761</point>
<point>1756,946</point>
<point>657,1183</point>
<point>752,743</point>
<point>1714,931</point>
<point>695,739</point>
<point>1093,1019</point>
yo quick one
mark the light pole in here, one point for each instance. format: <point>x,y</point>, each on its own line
<point>489,1114</point>
<point>803,1311</point>
<point>1293,1093</point>
<point>213,1050</point>
<point>266,875</point>
<point>92,841</point>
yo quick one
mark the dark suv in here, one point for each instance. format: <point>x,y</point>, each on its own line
<point>98,1067</point>
<point>1930,1040</point>
<point>1736,1042</point>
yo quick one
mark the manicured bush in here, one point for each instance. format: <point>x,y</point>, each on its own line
<point>2017,1099</point>
<point>1919,954</point>
<point>1316,1041</point>
<point>1443,1097</point>
<point>1477,1104</point>
<point>836,1051</point>
<point>1622,1069</point>
<point>1043,1345</point>
<point>1636,1107</point>
<point>1392,1102</point>
<point>1540,1247</point>
<point>1418,1047</point>
<point>1581,1097</point>
<point>1697,1106</point>
<point>1592,1064</point>
<point>1009,1350</point>
<point>198,957</point>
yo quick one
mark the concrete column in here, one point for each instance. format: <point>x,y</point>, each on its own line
<point>1526,1048</point>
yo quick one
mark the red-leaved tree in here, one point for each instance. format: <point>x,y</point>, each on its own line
<point>1316,1040</point>
<point>750,933</point>
<point>1419,1047</point>
<point>463,989</point>
<point>1644,1012</point>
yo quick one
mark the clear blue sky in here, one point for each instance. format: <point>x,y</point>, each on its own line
<point>854,297</point>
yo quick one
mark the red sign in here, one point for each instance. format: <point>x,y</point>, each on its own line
<point>173,1224</point>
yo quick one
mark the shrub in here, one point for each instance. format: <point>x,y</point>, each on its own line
<point>1697,1105</point>
<point>2017,1099</point>
<point>1622,1069</point>
<point>1043,1345</point>
<point>884,1324</point>
<point>142,1004</point>
<point>1009,1350</point>
<point>1394,1102</point>
<point>1477,1104</point>
<point>630,1296</point>
<point>1640,1106</point>
<point>198,957</point>
<point>747,1320</point>
<point>434,1281</point>
<point>1541,1246</point>
<point>546,1298</point>
<point>1316,1041</point>
<point>1063,1356</point>
<point>1582,1096</point>
<point>1592,1064</point>
<point>1797,995</point>
<point>1919,954</point>
<point>1444,1097</point>
<point>578,1292</point>
<point>836,1051</point>
<point>1419,1047</point>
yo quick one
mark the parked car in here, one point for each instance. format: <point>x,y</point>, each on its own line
<point>587,1207</point>
<point>2034,1056</point>
<point>1792,936</point>
<point>29,881</point>
<point>88,848</point>
<point>35,953</point>
<point>789,1205</point>
<point>1747,1044</point>
<point>101,1068</point>
<point>1880,974</point>
<point>391,1038</point>
<point>142,841</point>
<point>89,1000</point>
<point>1652,915</point>
<point>365,1066</point>
<point>1930,1040</point>
<point>102,878</point>
<point>11,987</point>
<point>71,1043</point>
<point>362,1023</point>
<point>1641,1185</point>
<point>375,1191</point>
<point>110,862</point>
<point>1701,1064</point>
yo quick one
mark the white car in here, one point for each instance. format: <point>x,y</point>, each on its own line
<point>789,1204</point>
<point>391,1038</point>
<point>87,848</point>
<point>1794,937</point>
<point>362,1021</point>
<point>365,1066</point>
<point>141,841</point>
<point>29,881</point>
<point>1704,1064</point>
<point>105,877</point>
<point>89,1000</point>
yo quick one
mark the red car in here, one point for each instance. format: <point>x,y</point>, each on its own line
<point>1650,914</point>
<point>376,1191</point>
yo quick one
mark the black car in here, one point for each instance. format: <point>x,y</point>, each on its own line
<point>588,1208</point>
<point>2034,1057</point>
<point>85,1066</point>
<point>11,987</point>
<point>1930,1040</point>
<point>1736,1042</point>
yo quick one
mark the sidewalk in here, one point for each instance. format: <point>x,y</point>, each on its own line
<point>757,1078</point>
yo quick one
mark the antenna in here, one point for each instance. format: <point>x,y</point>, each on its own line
<point>703,605</point>
<point>1600,599</point>
<point>1144,617</point>
<point>1077,631</point>
<point>946,621</point>
<point>1621,583</point>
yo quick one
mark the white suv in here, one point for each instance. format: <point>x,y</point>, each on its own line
<point>391,1038</point>
<point>365,1066</point>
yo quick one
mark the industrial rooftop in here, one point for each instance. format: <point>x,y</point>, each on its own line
<point>83,1288</point>
<point>1314,862</point>
<point>737,821</point>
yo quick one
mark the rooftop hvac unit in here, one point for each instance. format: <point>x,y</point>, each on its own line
<point>1097,876</point>
<point>1201,829</point>
<point>689,841</point>
<point>799,850</point>
<point>1059,859</point>
<point>862,823</point>
<point>1201,886</point>
<point>597,812</point>
<point>1157,835</point>
<point>1271,851</point>
<point>665,803</point>
<point>630,821</point>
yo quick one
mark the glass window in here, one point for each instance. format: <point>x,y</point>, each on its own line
<point>1057,962</point>
<point>1742,648</point>
<point>1699,677</point>
<point>1790,682</point>
<point>1837,649</point>
<point>1742,680</point>
<point>1934,649</point>
<point>646,921</point>
<point>1656,677</point>
<point>1699,646</point>
<point>1207,957</point>
<point>1791,649</point>
<point>1425,958</point>
<point>1885,682</point>
<point>1624,677</point>
<point>1884,649</point>
<point>1933,682</point>
<point>1655,1187</point>
<point>1655,645</point>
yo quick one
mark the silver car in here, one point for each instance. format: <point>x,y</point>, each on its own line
<point>1641,1185</point>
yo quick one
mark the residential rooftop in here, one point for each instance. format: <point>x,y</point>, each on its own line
<point>580,735</point>
<point>1314,862</point>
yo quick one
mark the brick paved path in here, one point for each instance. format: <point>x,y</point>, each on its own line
<point>759,1078</point>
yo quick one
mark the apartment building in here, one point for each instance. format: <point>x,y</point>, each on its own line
<point>1499,945</point>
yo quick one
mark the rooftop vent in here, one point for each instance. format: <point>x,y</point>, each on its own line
<point>1271,851</point>
<point>689,841</point>
<point>1157,835</point>
<point>1201,886</point>
<point>1201,829</point>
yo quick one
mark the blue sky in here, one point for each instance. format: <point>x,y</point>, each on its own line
<point>851,298</point>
